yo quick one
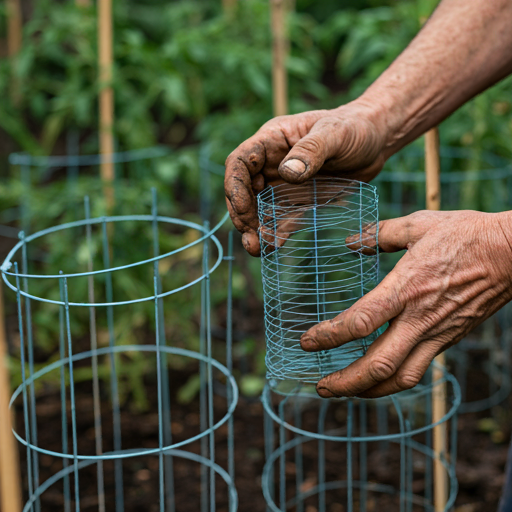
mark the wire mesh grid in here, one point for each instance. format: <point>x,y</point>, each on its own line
<point>310,272</point>
<point>106,359</point>
<point>358,455</point>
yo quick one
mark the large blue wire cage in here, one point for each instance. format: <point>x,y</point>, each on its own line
<point>110,310</point>
<point>469,180</point>
<point>360,455</point>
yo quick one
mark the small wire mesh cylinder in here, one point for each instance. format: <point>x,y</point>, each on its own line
<point>312,270</point>
<point>353,455</point>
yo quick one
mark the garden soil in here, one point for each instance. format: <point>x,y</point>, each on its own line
<point>480,467</point>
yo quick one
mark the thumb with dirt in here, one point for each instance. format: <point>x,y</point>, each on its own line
<point>348,142</point>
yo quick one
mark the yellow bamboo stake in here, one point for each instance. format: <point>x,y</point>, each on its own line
<point>432,170</point>
<point>13,27</point>
<point>106,100</point>
<point>433,202</point>
<point>280,48</point>
<point>10,485</point>
<point>14,38</point>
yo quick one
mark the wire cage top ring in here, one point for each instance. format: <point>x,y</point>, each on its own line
<point>19,251</point>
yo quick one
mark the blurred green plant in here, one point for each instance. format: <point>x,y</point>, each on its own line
<point>183,71</point>
<point>187,74</point>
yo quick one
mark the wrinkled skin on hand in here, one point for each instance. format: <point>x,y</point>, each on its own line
<point>456,273</point>
<point>348,142</point>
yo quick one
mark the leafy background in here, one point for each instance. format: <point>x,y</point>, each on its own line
<point>194,78</point>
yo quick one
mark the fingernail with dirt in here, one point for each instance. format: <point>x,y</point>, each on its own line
<point>308,343</point>
<point>251,243</point>
<point>294,168</point>
<point>325,393</point>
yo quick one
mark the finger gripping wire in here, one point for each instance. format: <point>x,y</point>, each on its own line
<point>311,272</point>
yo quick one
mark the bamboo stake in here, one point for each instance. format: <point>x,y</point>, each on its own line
<point>433,202</point>
<point>280,48</point>
<point>14,38</point>
<point>10,485</point>
<point>106,100</point>
<point>13,27</point>
<point>432,170</point>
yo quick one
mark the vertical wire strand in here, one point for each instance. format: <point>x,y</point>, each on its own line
<point>23,383</point>
<point>159,393</point>
<point>282,457</point>
<point>63,402</point>
<point>299,464</point>
<point>209,369</point>
<point>30,352</point>
<point>361,251</point>
<point>363,455</point>
<point>453,455</point>
<point>268,426</point>
<point>409,468</point>
<point>321,455</point>
<point>166,399</point>
<point>382,424</point>
<point>401,423</point>
<point>203,419</point>
<point>98,435</point>
<point>350,479</point>
<point>321,354</point>
<point>229,361</point>
<point>72,396</point>
<point>116,409</point>
<point>429,476</point>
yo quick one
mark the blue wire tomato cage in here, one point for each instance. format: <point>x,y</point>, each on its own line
<point>98,364</point>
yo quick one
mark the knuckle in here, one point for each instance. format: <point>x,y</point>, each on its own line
<point>360,325</point>
<point>311,144</point>
<point>381,368</point>
<point>407,380</point>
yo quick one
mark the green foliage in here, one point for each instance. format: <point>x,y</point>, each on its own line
<point>179,67</point>
<point>186,73</point>
<point>367,41</point>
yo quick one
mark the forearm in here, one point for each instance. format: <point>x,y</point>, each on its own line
<point>464,48</point>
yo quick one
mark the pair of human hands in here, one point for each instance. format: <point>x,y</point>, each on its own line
<point>456,273</point>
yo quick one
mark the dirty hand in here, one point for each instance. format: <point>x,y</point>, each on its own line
<point>456,273</point>
<point>348,141</point>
